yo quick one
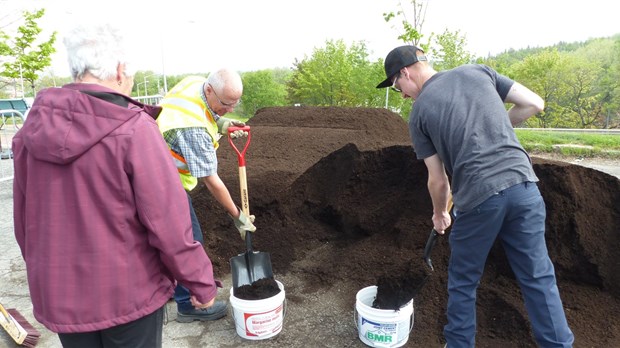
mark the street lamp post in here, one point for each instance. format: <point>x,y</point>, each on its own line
<point>162,45</point>
<point>138,87</point>
<point>163,69</point>
<point>146,81</point>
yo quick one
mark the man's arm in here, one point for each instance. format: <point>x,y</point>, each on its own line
<point>219,190</point>
<point>243,222</point>
<point>526,103</point>
<point>439,189</point>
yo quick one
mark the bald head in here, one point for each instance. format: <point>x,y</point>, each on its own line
<point>226,81</point>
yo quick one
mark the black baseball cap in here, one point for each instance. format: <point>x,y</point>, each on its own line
<point>397,59</point>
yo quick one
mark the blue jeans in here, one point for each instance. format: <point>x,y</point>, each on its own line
<point>516,216</point>
<point>181,294</point>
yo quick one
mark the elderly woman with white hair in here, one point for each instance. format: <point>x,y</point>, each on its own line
<point>92,178</point>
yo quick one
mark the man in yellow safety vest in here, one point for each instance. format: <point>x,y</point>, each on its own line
<point>192,123</point>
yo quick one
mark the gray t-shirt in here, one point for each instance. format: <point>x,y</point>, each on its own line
<point>460,115</point>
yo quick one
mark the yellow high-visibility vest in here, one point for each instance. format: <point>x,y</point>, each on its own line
<point>183,107</point>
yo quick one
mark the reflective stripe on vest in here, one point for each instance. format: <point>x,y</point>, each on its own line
<point>180,162</point>
<point>184,108</point>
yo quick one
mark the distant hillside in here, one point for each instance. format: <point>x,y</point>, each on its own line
<point>579,81</point>
<point>514,54</point>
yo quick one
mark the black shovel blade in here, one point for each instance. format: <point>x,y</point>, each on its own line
<point>250,266</point>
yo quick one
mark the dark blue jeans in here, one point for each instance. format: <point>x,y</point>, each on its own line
<point>516,216</point>
<point>181,294</point>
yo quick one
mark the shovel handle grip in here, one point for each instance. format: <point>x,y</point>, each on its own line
<point>240,154</point>
<point>432,240</point>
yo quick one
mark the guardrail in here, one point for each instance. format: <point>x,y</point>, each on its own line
<point>150,99</point>
<point>575,130</point>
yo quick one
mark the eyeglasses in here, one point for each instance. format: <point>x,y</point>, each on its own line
<point>228,105</point>
<point>394,88</point>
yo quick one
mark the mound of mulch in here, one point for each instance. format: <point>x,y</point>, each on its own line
<point>341,199</point>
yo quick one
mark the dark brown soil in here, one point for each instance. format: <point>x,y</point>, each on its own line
<point>396,289</point>
<point>340,199</point>
<point>258,290</point>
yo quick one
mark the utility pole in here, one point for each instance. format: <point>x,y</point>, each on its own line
<point>163,69</point>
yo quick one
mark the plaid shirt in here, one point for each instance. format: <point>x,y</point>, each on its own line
<point>196,146</point>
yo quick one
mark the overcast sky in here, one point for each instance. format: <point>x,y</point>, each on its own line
<point>200,35</point>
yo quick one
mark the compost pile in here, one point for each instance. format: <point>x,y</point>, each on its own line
<point>341,200</point>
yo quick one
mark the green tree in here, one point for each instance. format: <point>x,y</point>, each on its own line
<point>449,50</point>
<point>336,75</point>
<point>50,80</point>
<point>411,22</point>
<point>26,61</point>
<point>262,89</point>
<point>605,54</point>
<point>543,74</point>
<point>582,98</point>
<point>5,50</point>
<point>613,78</point>
<point>148,83</point>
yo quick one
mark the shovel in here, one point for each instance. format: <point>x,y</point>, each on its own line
<point>432,240</point>
<point>248,267</point>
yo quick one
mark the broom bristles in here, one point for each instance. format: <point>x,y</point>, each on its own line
<point>32,334</point>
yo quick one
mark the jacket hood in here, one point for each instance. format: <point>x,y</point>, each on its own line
<point>64,123</point>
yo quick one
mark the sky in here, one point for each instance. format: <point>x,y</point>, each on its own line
<point>198,36</point>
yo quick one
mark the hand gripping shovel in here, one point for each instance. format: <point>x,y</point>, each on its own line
<point>252,265</point>
<point>432,240</point>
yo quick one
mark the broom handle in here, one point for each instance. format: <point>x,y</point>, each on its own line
<point>12,327</point>
<point>5,313</point>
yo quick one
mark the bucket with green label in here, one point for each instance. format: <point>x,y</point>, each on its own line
<point>382,327</point>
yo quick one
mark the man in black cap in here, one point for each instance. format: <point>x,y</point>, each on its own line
<point>459,125</point>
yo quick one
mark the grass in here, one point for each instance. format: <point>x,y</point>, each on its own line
<point>10,120</point>
<point>570,143</point>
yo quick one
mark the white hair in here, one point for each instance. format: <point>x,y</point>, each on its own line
<point>225,78</point>
<point>97,49</point>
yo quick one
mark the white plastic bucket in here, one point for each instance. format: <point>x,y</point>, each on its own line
<point>258,319</point>
<point>382,327</point>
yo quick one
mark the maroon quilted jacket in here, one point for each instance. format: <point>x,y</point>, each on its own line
<point>100,215</point>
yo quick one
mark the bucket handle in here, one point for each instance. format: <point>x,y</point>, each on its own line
<point>284,304</point>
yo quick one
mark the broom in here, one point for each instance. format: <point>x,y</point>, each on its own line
<point>22,332</point>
